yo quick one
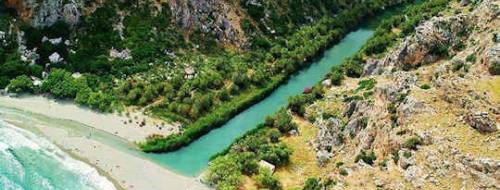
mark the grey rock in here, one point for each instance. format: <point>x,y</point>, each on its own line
<point>481,121</point>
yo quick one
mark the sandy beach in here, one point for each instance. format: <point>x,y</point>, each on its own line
<point>125,127</point>
<point>126,170</point>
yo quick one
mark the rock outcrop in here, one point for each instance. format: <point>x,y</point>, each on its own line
<point>209,16</point>
<point>46,13</point>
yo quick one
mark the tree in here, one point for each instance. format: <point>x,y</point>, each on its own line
<point>267,180</point>
<point>248,162</point>
<point>21,84</point>
<point>312,184</point>
<point>337,76</point>
<point>297,103</point>
<point>224,173</point>
<point>60,84</point>
<point>277,154</point>
<point>283,121</point>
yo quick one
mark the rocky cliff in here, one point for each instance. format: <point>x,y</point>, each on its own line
<point>213,18</point>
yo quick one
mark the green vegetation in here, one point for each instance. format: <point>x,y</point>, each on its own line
<point>425,86</point>
<point>317,184</point>
<point>258,144</point>
<point>412,143</point>
<point>266,180</point>
<point>298,103</point>
<point>343,172</point>
<point>366,84</point>
<point>494,68</point>
<point>224,173</point>
<point>337,76</point>
<point>367,158</point>
<point>21,84</point>
<point>471,58</point>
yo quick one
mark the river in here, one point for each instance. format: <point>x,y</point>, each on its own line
<point>191,160</point>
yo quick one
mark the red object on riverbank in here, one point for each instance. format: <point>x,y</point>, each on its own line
<point>307,90</point>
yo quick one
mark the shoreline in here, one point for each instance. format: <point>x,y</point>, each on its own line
<point>124,169</point>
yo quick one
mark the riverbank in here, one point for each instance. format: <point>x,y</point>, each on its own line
<point>65,125</point>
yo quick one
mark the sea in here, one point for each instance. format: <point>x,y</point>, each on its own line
<point>31,162</point>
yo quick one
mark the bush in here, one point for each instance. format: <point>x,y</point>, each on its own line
<point>298,103</point>
<point>224,173</point>
<point>248,162</point>
<point>412,143</point>
<point>366,84</point>
<point>21,84</point>
<point>316,184</point>
<point>425,87</point>
<point>283,121</point>
<point>368,158</point>
<point>266,180</point>
<point>312,184</point>
<point>337,76</point>
<point>343,172</point>
<point>494,68</point>
<point>60,84</point>
<point>278,155</point>
<point>471,58</point>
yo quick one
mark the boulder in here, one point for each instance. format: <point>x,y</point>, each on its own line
<point>267,165</point>
<point>327,83</point>
<point>55,58</point>
<point>124,54</point>
<point>481,121</point>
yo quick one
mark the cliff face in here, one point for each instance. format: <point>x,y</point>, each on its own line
<point>229,22</point>
<point>46,13</point>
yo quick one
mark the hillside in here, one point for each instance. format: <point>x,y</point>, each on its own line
<point>423,115</point>
<point>196,63</point>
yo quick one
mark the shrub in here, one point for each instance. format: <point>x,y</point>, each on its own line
<point>248,162</point>
<point>278,155</point>
<point>298,103</point>
<point>425,87</point>
<point>312,184</point>
<point>368,158</point>
<point>337,76</point>
<point>21,84</point>
<point>353,68</point>
<point>395,156</point>
<point>366,84</point>
<point>494,68</point>
<point>224,173</point>
<point>283,121</point>
<point>267,180</point>
<point>412,143</point>
<point>343,172</point>
<point>60,84</point>
<point>471,58</point>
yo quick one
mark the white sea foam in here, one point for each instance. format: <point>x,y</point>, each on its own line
<point>13,138</point>
<point>7,184</point>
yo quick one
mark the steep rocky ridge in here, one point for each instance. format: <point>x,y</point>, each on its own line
<point>429,121</point>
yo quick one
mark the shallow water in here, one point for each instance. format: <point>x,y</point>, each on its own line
<point>31,162</point>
